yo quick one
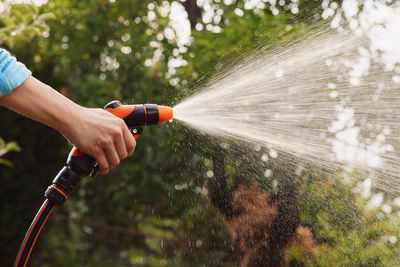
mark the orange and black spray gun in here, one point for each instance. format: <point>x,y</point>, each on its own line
<point>80,165</point>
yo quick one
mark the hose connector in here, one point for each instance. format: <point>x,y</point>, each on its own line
<point>63,185</point>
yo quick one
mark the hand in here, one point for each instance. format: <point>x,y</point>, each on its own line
<point>100,134</point>
<point>96,132</point>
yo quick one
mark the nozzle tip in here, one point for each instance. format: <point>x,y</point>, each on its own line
<point>165,114</point>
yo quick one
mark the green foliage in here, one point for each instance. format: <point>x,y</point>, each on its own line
<point>21,23</point>
<point>5,148</point>
<point>346,232</point>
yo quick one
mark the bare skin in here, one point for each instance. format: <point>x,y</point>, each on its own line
<point>96,132</point>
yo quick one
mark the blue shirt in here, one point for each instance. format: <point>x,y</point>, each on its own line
<point>12,72</point>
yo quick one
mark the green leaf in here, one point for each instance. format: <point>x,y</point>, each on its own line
<point>13,146</point>
<point>21,9</point>
<point>8,21</point>
<point>6,162</point>
<point>33,8</point>
<point>30,32</point>
<point>8,42</point>
<point>47,16</point>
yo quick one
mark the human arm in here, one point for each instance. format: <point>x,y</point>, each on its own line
<point>94,131</point>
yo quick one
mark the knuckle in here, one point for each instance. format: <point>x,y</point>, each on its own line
<point>104,142</point>
<point>122,123</point>
<point>109,142</point>
<point>129,148</point>
<point>116,132</point>
<point>96,150</point>
<point>131,145</point>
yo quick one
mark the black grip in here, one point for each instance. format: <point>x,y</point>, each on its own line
<point>81,164</point>
<point>67,179</point>
<point>113,104</point>
<point>137,117</point>
<point>152,114</point>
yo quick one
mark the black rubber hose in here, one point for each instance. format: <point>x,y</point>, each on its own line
<point>33,232</point>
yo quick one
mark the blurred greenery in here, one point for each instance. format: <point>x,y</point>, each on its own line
<point>153,210</point>
<point>5,148</point>
<point>21,23</point>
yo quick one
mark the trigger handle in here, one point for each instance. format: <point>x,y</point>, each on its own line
<point>113,104</point>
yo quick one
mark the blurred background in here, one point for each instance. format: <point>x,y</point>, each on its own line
<point>156,209</point>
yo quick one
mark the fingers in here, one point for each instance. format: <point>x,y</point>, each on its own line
<point>102,135</point>
<point>125,143</point>
<point>130,142</point>
<point>119,142</point>
<point>112,157</point>
<point>102,161</point>
<point>118,147</point>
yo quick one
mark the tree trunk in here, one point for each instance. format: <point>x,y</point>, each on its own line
<point>193,11</point>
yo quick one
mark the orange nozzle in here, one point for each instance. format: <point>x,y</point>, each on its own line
<point>165,114</point>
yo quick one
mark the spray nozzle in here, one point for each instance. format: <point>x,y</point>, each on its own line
<point>165,114</point>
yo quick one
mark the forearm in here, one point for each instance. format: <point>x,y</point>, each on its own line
<point>94,131</point>
<point>40,102</point>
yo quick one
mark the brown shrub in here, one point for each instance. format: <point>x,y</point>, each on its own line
<point>252,230</point>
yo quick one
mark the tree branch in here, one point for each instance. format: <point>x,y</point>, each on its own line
<point>119,229</point>
<point>193,11</point>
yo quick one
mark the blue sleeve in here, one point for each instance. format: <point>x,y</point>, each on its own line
<point>12,73</point>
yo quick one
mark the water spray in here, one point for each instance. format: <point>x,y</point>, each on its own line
<point>322,101</point>
<point>80,165</point>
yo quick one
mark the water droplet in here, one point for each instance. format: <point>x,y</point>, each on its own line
<point>273,153</point>
<point>396,79</point>
<point>264,157</point>
<point>331,86</point>
<point>333,94</point>
<point>279,73</point>
<point>389,148</point>
<point>277,115</point>
<point>386,208</point>
<point>224,145</point>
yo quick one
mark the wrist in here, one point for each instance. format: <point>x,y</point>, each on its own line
<point>68,120</point>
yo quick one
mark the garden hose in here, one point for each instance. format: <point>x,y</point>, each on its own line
<point>80,165</point>
<point>33,232</point>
